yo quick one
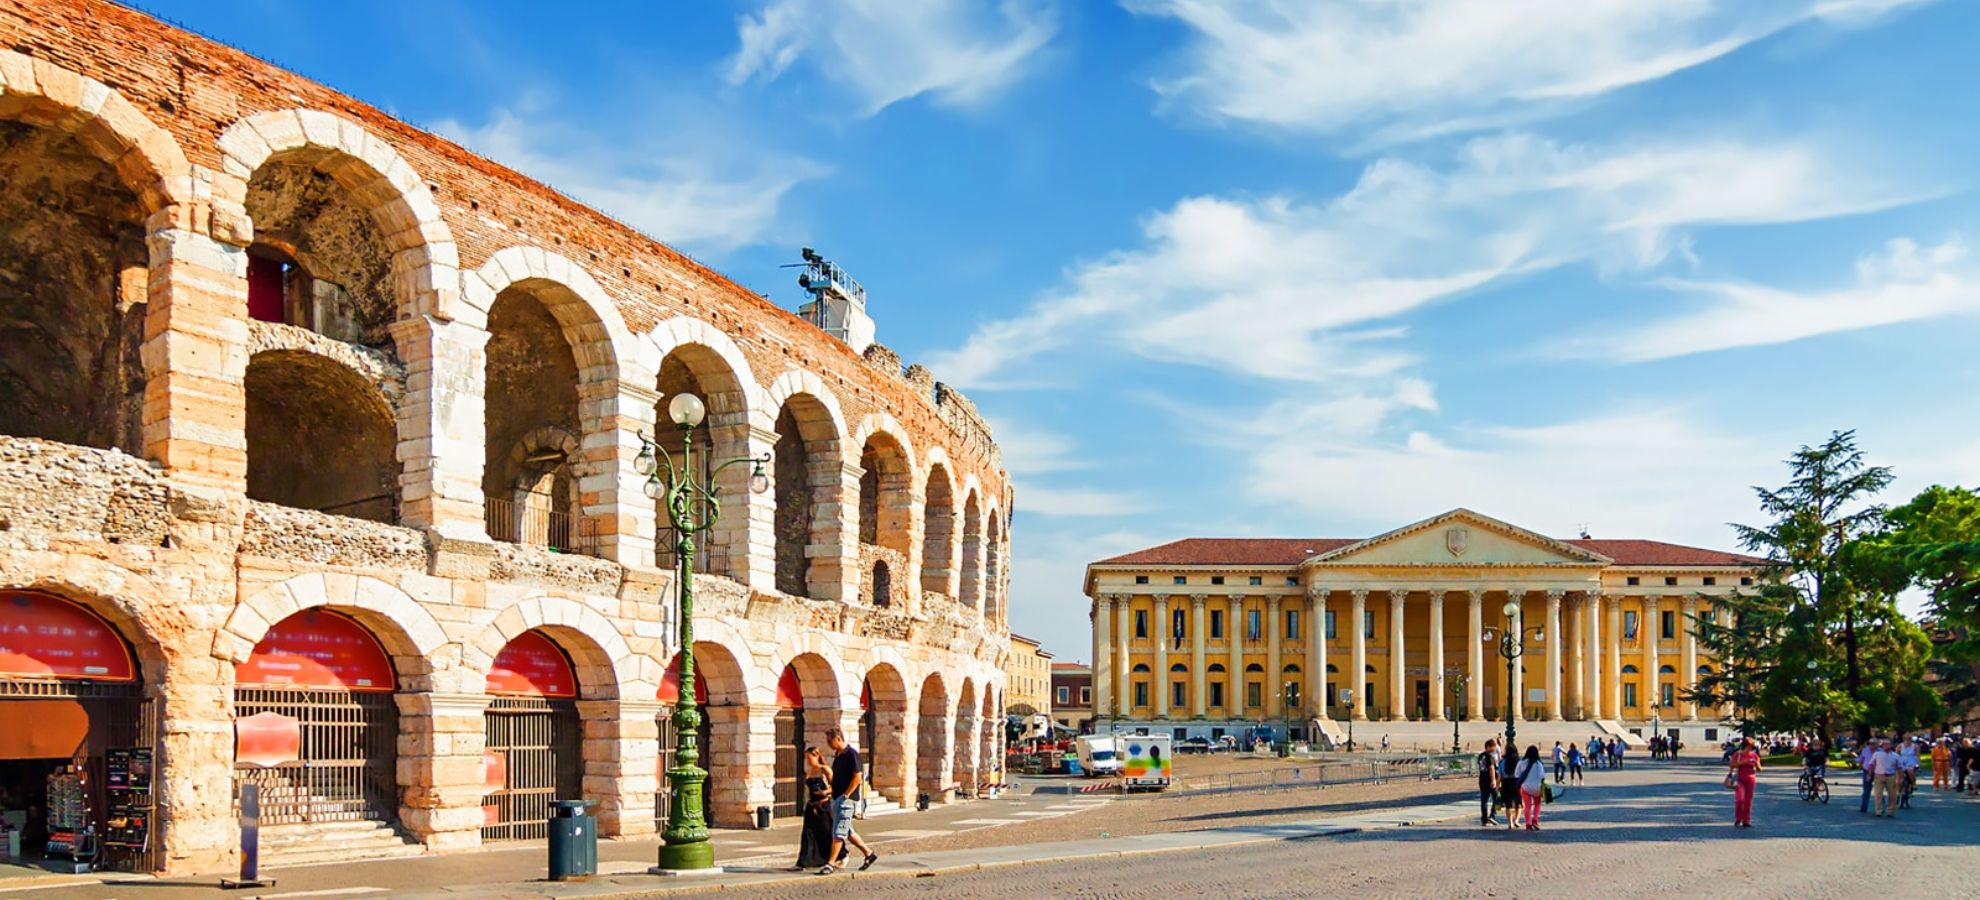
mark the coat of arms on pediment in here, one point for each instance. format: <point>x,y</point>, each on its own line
<point>1456,539</point>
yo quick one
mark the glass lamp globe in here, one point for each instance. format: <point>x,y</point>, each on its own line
<point>686,409</point>
<point>1510,609</point>
<point>652,489</point>
<point>643,463</point>
<point>759,481</point>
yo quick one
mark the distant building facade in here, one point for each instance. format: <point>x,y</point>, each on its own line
<point>1207,636</point>
<point>1072,696</point>
<point>1028,674</point>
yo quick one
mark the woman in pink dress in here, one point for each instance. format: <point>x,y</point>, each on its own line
<point>1745,771</point>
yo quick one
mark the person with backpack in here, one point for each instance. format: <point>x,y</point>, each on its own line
<point>1574,761</point>
<point>1531,776</point>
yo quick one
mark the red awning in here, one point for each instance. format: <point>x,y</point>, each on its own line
<point>318,648</point>
<point>532,666</point>
<point>45,636</point>
<point>790,691</point>
<point>670,684</point>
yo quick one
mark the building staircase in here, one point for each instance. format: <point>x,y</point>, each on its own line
<point>316,843</point>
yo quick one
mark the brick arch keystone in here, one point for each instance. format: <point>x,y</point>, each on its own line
<point>426,266</point>
<point>598,643</point>
<point>419,632</point>
<point>597,332</point>
<point>147,159</point>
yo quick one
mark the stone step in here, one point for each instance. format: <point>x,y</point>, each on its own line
<point>315,843</point>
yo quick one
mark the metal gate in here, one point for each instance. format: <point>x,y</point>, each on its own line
<point>668,744</point>
<point>538,744</point>
<point>121,720</point>
<point>790,763</point>
<point>348,766</point>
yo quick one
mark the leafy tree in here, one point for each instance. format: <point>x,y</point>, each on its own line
<point>1933,542</point>
<point>1819,640</point>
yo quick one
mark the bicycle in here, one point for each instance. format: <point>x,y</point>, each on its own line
<point>1812,786</point>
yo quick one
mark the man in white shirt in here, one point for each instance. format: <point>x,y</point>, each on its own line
<point>1886,764</point>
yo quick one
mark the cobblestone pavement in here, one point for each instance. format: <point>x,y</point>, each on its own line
<point>1658,829</point>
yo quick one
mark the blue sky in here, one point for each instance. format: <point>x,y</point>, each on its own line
<point>1232,267</point>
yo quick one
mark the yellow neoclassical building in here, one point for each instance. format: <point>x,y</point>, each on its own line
<point>1214,636</point>
<point>1027,678</point>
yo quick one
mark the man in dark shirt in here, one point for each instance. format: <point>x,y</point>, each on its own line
<point>847,779</point>
<point>1488,781</point>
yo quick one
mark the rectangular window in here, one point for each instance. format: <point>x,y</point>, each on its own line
<point>1330,624</point>
<point>1669,625</point>
<point>1065,695</point>
<point>1216,579</point>
<point>1670,580</point>
<point>1292,624</point>
<point>1141,693</point>
<point>1292,695</point>
<point>1254,627</point>
<point>1086,696</point>
<point>1254,694</point>
<point>1217,623</point>
<point>1179,695</point>
<point>1216,693</point>
<point>1368,695</point>
<point>1292,581</point>
<point>1632,581</point>
<point>1710,581</point>
<point>1255,581</point>
<point>1667,694</point>
<point>1629,624</point>
<point>1745,580</point>
<point>1368,623</point>
<point>1178,625</point>
<point>1629,695</point>
<point>1141,624</point>
<point>1180,579</point>
<point>1140,579</point>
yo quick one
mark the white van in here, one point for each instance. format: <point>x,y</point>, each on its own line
<point>1099,756</point>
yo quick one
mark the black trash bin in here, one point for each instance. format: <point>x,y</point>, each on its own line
<point>573,840</point>
<point>762,817</point>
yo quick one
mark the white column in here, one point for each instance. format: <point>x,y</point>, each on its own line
<point>1474,697</point>
<point>1316,653</point>
<point>1612,658</point>
<point>1437,685</point>
<point>1103,608</point>
<point>1162,636</point>
<point>1652,629</point>
<point>1571,637</point>
<point>1274,665</point>
<point>1591,608</point>
<point>1688,658</point>
<point>1234,630</point>
<point>1123,665</point>
<point>1516,624</point>
<point>1357,678</point>
<point>1398,705</point>
<point>1554,641</point>
<point>1199,679</point>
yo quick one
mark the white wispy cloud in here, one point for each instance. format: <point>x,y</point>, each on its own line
<point>1415,67</point>
<point>1077,502</point>
<point>688,180</point>
<point>1276,289</point>
<point>959,52</point>
<point>1902,282</point>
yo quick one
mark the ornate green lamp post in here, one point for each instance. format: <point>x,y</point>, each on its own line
<point>1511,648</point>
<point>688,505</point>
<point>1457,679</point>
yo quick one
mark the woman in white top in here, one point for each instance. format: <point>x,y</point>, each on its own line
<point>1532,777</point>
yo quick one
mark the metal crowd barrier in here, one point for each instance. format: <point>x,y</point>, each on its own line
<point>1326,769</point>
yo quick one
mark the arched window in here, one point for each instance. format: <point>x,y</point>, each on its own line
<point>1667,670</point>
<point>1217,667</point>
<point>883,585</point>
<point>1254,667</point>
<point>1141,667</point>
<point>1629,670</point>
<point>1179,667</point>
<point>1290,669</point>
<point>1333,669</point>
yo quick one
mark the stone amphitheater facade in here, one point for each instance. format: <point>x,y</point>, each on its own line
<point>267,352</point>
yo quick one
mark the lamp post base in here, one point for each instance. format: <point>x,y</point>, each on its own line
<point>698,856</point>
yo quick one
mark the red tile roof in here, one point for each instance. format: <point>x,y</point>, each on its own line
<point>1293,551</point>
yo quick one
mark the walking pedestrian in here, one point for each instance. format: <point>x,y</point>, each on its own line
<point>815,837</point>
<point>847,779</point>
<point>1745,773</point>
<point>1560,763</point>
<point>1615,752</point>
<point>1886,765</point>
<point>1907,771</point>
<point>1574,763</point>
<point>1509,784</point>
<point>1865,755</point>
<point>1488,783</point>
<point>1597,758</point>
<point>1532,778</point>
<point>1941,764</point>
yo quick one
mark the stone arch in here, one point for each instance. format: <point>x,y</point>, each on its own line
<point>972,550</point>
<point>883,727</point>
<point>812,654</point>
<point>320,436</point>
<point>808,474</point>
<point>592,324</point>
<point>935,734</point>
<point>542,373</point>
<point>689,355</point>
<point>131,603</point>
<point>993,570</point>
<point>414,639</point>
<point>425,263</point>
<point>607,669</point>
<point>938,525</point>
<point>86,180</point>
<point>886,487</point>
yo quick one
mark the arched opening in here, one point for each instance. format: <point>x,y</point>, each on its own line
<point>880,587</point>
<point>73,291</point>
<point>320,260</point>
<point>806,478</point>
<point>965,740</point>
<point>682,373</point>
<point>807,704</point>
<point>534,461</point>
<point>317,726</point>
<point>972,552</point>
<point>80,736</point>
<point>883,717</point>
<point>938,532</point>
<point>319,437</point>
<point>533,738</point>
<point>993,582</point>
<point>724,734</point>
<point>885,494</point>
<point>935,735</point>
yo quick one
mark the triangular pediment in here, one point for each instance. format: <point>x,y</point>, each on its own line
<point>1460,538</point>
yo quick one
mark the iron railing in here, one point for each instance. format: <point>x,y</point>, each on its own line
<point>1329,769</point>
<point>538,741</point>
<point>346,770</point>
<point>534,526</point>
